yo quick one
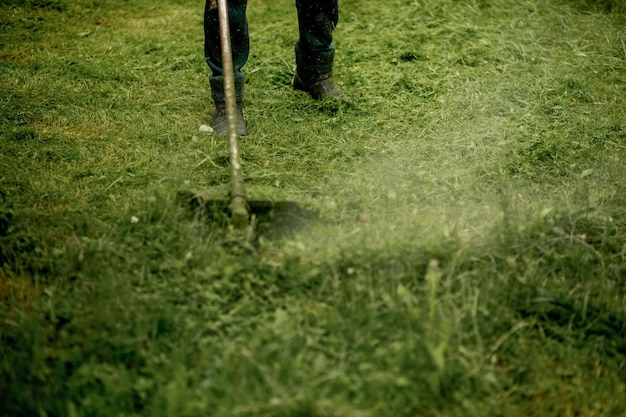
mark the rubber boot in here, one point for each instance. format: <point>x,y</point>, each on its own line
<point>320,86</point>
<point>220,123</point>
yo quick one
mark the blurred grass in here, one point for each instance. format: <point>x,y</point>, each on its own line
<point>468,258</point>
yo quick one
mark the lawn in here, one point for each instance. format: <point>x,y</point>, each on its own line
<point>459,243</point>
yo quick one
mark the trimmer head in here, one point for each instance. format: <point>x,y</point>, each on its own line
<point>270,219</point>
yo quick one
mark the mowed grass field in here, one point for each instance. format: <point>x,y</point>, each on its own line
<point>459,248</point>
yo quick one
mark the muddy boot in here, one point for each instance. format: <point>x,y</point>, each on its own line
<point>319,85</point>
<point>220,123</point>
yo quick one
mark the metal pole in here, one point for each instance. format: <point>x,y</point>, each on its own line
<point>238,200</point>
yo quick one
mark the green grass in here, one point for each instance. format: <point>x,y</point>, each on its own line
<point>466,255</point>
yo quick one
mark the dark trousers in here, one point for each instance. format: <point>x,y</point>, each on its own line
<point>314,48</point>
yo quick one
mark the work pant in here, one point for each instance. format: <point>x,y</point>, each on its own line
<point>314,48</point>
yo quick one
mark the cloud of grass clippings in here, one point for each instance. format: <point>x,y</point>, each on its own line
<point>420,189</point>
<point>461,179</point>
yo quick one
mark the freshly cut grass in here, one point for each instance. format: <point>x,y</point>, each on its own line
<point>465,251</point>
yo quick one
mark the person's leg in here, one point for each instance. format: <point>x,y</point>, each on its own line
<point>239,38</point>
<point>314,49</point>
<point>240,45</point>
<point>316,21</point>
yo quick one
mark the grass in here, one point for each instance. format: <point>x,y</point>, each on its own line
<point>467,256</point>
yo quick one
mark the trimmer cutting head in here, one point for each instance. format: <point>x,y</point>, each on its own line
<point>270,219</point>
